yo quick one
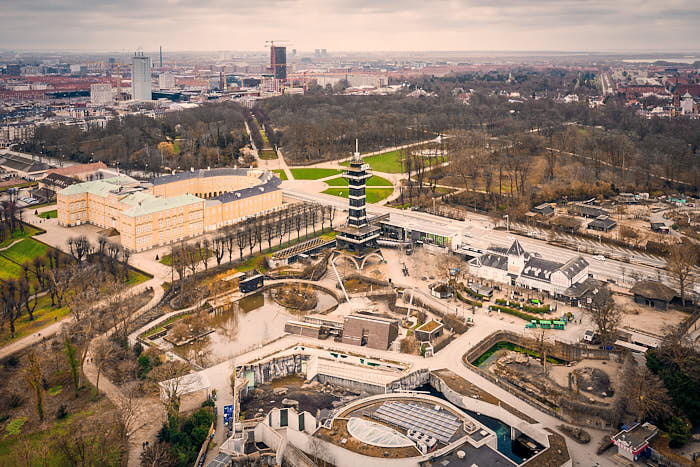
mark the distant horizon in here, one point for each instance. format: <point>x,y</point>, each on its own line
<point>353,26</point>
<point>686,53</point>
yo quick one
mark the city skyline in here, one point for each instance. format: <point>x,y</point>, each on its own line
<point>469,25</point>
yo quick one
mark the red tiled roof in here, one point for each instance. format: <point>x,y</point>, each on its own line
<point>79,168</point>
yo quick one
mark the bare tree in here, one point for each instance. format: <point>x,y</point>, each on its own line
<point>35,381</point>
<point>79,247</point>
<point>682,259</point>
<point>103,355</point>
<point>168,378</point>
<point>604,314</point>
<point>11,305</point>
<point>219,248</point>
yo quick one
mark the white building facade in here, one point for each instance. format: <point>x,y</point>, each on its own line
<point>141,77</point>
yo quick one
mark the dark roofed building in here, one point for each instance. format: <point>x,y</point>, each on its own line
<point>375,332</point>
<point>544,210</point>
<point>540,268</point>
<point>660,227</point>
<point>653,294</point>
<point>566,223</point>
<point>585,210</point>
<point>602,224</point>
<point>56,182</point>
<point>494,260</point>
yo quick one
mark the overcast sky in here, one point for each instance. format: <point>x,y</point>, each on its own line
<point>361,25</point>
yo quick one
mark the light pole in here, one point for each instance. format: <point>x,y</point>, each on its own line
<point>507,218</point>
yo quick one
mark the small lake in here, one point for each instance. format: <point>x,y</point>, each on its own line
<point>252,321</point>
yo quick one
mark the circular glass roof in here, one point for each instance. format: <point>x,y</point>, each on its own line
<point>377,434</point>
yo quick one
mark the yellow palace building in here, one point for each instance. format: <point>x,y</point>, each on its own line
<point>171,207</point>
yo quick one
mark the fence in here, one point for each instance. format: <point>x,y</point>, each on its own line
<point>599,416</point>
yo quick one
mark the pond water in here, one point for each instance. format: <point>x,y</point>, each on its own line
<point>252,321</point>
<point>486,360</point>
<point>506,446</point>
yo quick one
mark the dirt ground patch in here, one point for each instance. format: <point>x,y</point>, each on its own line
<point>311,397</point>
<point>646,319</point>
<point>592,373</point>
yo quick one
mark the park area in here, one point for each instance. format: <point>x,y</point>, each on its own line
<point>387,162</point>
<point>36,282</point>
<point>374,195</point>
<point>313,173</point>
<point>374,181</point>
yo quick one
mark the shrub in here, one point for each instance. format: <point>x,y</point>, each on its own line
<point>14,401</point>
<point>11,361</point>
<point>62,412</point>
<point>138,349</point>
<point>678,432</point>
<point>468,301</point>
<point>513,312</point>
<point>15,426</point>
<point>144,365</point>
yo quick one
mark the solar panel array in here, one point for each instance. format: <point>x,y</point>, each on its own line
<point>437,423</point>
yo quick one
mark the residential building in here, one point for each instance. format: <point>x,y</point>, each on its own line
<point>141,77</point>
<point>166,80</point>
<point>278,62</point>
<point>101,94</point>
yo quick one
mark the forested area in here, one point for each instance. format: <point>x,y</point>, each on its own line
<point>525,80</point>
<point>317,128</point>
<point>210,135</point>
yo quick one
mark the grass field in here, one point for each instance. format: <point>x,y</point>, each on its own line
<point>8,269</point>
<point>49,214</point>
<point>44,315</point>
<point>388,162</point>
<point>281,173</point>
<point>17,234</point>
<point>268,155</point>
<point>264,136</point>
<point>25,250</point>
<point>373,194</point>
<point>374,181</point>
<point>313,173</point>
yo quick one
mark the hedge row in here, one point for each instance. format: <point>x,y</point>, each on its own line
<point>513,312</point>
<point>474,294</point>
<point>467,301</point>
<point>516,305</point>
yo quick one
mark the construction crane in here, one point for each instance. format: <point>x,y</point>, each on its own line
<point>119,80</point>
<point>278,42</point>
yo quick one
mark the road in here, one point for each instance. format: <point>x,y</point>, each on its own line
<point>480,232</point>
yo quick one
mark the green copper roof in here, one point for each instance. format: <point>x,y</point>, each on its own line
<point>152,205</point>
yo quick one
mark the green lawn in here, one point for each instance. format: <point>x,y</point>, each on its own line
<point>374,181</point>
<point>25,250</point>
<point>268,154</point>
<point>313,173</point>
<point>281,173</point>
<point>8,269</point>
<point>137,277</point>
<point>373,194</point>
<point>264,137</point>
<point>49,214</point>
<point>44,315</point>
<point>388,162</point>
<point>17,234</point>
<point>168,260</point>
